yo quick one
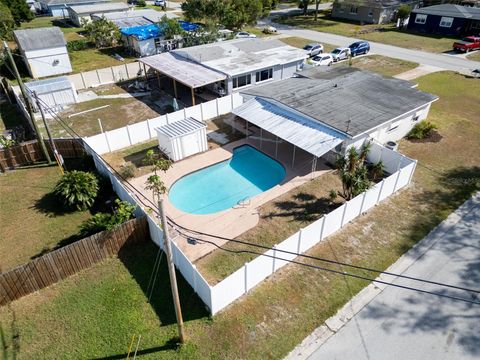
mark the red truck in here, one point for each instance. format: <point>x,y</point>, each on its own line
<point>467,44</point>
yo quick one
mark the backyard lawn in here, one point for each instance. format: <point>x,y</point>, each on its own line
<point>383,65</point>
<point>95,313</point>
<point>92,58</point>
<point>386,34</point>
<point>31,220</point>
<point>70,32</point>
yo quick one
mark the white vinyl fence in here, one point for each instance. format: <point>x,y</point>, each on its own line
<point>251,274</point>
<point>133,134</point>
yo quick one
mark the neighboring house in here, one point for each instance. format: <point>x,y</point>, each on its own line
<point>79,13</point>
<point>446,19</point>
<point>227,66</point>
<point>59,8</point>
<point>44,51</point>
<point>370,11</point>
<point>330,110</point>
<point>54,93</point>
<point>131,18</point>
<point>147,40</point>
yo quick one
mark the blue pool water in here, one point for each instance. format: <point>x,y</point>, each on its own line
<point>221,186</point>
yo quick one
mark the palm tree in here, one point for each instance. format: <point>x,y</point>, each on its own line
<point>353,172</point>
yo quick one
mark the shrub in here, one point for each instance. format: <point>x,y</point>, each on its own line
<point>421,130</point>
<point>77,45</point>
<point>77,189</point>
<point>105,221</point>
<point>141,3</point>
<point>376,171</point>
<point>127,171</point>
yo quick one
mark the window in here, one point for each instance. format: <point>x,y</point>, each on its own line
<point>342,8</point>
<point>420,19</point>
<point>475,25</point>
<point>353,9</point>
<point>370,12</point>
<point>394,126</point>
<point>446,22</point>
<point>264,75</point>
<point>242,80</point>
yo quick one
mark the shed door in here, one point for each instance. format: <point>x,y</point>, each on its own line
<point>190,144</point>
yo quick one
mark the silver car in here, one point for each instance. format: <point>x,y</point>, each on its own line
<point>313,49</point>
<point>340,53</point>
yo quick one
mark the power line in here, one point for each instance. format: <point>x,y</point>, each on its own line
<point>177,227</point>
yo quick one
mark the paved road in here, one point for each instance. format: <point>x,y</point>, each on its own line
<point>400,324</point>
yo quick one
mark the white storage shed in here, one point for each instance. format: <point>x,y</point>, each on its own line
<point>54,93</point>
<point>182,138</point>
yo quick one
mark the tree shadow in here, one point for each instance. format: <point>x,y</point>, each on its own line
<point>304,208</point>
<point>171,344</point>
<point>139,260</point>
<point>137,157</point>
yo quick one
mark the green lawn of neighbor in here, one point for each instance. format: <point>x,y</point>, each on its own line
<point>475,55</point>
<point>92,58</point>
<point>31,220</point>
<point>388,34</point>
<point>95,314</point>
<point>71,32</point>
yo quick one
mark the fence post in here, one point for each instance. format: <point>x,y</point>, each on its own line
<point>149,130</point>
<point>129,136</point>
<point>245,269</point>
<point>185,113</point>
<point>363,202</point>
<point>108,142</point>
<point>201,111</point>
<point>396,180</point>
<point>299,244</point>
<point>126,69</point>
<point>413,170</point>
<point>274,247</point>
<point>343,215</point>
<point>194,272</point>
<point>231,101</point>
<point>218,111</point>
<point>166,118</point>
<point>113,74</point>
<point>380,192</point>
<point>83,80</point>
<point>98,76</point>
<point>381,153</point>
<point>323,226</point>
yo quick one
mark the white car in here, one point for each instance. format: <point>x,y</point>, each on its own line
<point>313,49</point>
<point>244,35</point>
<point>160,3</point>
<point>269,30</point>
<point>340,54</point>
<point>322,60</point>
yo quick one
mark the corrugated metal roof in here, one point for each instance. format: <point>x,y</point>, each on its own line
<point>352,102</point>
<point>49,85</point>
<point>185,71</point>
<point>306,134</point>
<point>39,38</point>
<point>125,19</point>
<point>181,127</point>
<point>98,8</point>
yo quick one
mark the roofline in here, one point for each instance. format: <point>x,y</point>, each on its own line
<point>395,118</point>
<point>204,126</point>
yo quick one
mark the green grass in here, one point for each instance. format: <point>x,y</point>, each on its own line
<point>95,313</point>
<point>475,56</point>
<point>92,58</point>
<point>31,220</point>
<point>388,34</point>
<point>299,42</point>
<point>70,32</point>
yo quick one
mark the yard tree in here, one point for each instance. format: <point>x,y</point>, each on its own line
<point>102,33</point>
<point>19,9</point>
<point>353,172</point>
<point>303,4</point>
<point>7,23</point>
<point>170,27</point>
<point>403,13</point>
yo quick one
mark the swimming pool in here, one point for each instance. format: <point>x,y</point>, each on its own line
<point>221,186</point>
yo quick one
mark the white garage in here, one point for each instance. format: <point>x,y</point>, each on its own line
<point>54,93</point>
<point>182,138</point>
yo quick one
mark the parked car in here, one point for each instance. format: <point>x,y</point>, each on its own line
<point>322,60</point>
<point>244,35</point>
<point>359,48</point>
<point>313,49</point>
<point>269,30</point>
<point>132,2</point>
<point>340,54</point>
<point>467,44</point>
<point>161,3</point>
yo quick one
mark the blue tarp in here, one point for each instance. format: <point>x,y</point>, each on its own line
<point>145,32</point>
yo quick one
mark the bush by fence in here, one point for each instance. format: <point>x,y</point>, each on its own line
<point>29,152</point>
<point>60,264</point>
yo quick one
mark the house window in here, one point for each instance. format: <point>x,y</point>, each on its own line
<point>446,22</point>
<point>394,126</point>
<point>353,9</point>
<point>475,25</point>
<point>420,19</point>
<point>342,8</point>
<point>370,12</point>
<point>264,75</point>
<point>242,80</point>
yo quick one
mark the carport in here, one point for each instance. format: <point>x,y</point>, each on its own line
<point>181,70</point>
<point>308,135</point>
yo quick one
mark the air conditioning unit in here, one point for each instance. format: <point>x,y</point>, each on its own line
<point>392,145</point>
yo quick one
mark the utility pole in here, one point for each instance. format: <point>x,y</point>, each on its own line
<point>171,271</point>
<point>52,143</point>
<point>27,103</point>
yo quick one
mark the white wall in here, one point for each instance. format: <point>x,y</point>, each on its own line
<point>41,63</point>
<point>144,47</point>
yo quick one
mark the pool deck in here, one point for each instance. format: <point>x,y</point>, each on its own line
<point>235,221</point>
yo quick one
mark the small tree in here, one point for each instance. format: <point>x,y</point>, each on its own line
<point>303,4</point>
<point>19,10</point>
<point>353,172</point>
<point>102,33</point>
<point>170,27</point>
<point>154,182</point>
<point>422,130</point>
<point>105,221</point>
<point>403,13</point>
<point>77,189</point>
<point>7,23</point>
<point>141,3</point>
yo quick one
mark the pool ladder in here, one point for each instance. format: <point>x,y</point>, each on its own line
<point>244,202</point>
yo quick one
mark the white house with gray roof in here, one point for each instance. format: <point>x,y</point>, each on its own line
<point>44,51</point>
<point>320,111</point>
<point>59,8</point>
<point>80,13</point>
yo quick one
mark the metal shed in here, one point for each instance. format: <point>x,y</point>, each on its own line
<point>54,93</point>
<point>182,138</point>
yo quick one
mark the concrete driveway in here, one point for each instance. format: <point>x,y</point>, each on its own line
<point>402,324</point>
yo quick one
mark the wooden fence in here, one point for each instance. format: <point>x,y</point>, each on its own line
<point>29,152</point>
<point>60,264</point>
